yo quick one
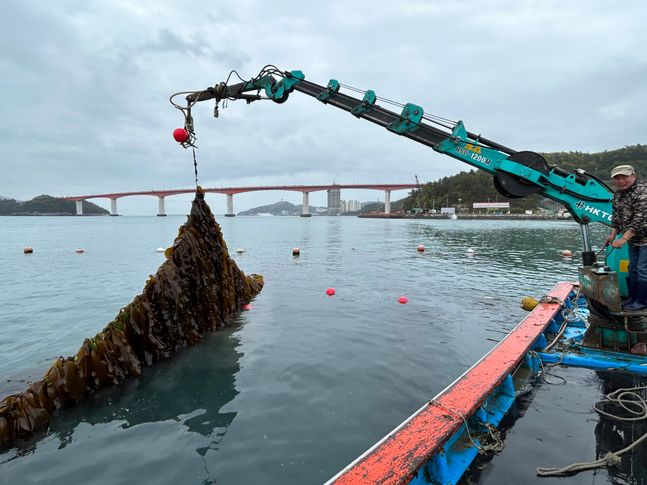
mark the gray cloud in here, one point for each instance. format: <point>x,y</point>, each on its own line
<point>86,84</point>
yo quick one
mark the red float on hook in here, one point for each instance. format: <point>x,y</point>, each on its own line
<point>180,135</point>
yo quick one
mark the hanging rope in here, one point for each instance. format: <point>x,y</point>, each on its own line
<point>195,167</point>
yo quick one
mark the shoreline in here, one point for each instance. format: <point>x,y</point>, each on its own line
<point>523,217</point>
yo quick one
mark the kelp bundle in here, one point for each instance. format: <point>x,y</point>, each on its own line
<point>197,289</point>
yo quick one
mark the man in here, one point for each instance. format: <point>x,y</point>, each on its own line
<point>630,219</point>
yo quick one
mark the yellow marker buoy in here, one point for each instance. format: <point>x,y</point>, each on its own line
<point>529,303</point>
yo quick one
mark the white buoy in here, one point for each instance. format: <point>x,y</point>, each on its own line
<point>469,251</point>
<point>567,253</point>
<point>240,250</point>
<point>160,250</point>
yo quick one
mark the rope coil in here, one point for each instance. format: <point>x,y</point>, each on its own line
<point>635,405</point>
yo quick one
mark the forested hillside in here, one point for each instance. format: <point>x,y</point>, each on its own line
<point>45,205</point>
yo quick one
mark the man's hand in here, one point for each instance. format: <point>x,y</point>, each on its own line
<point>619,242</point>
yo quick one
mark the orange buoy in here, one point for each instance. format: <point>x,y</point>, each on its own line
<point>421,248</point>
<point>296,251</point>
<point>28,250</point>
<point>567,253</point>
<point>330,291</point>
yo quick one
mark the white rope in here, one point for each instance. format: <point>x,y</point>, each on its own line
<point>629,400</point>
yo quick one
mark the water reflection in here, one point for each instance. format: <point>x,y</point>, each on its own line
<point>188,390</point>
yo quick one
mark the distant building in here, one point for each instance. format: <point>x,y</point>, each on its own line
<point>350,206</point>
<point>491,206</point>
<point>334,202</point>
<point>448,210</point>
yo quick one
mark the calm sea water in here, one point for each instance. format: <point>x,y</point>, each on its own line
<point>297,387</point>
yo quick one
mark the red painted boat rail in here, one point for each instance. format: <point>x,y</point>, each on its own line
<point>398,457</point>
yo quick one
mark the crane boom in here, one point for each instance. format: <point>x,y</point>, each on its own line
<point>515,173</point>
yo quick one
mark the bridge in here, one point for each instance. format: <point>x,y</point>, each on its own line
<point>230,191</point>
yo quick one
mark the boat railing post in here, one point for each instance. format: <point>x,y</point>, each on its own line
<point>588,256</point>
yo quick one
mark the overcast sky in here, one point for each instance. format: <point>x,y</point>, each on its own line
<point>85,88</point>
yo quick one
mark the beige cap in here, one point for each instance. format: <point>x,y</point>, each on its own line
<point>622,170</point>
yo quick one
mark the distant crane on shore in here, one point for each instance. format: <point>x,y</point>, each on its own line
<point>420,199</point>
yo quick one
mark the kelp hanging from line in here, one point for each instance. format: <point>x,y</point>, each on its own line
<point>196,290</point>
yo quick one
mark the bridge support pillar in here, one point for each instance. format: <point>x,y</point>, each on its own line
<point>79,207</point>
<point>113,207</point>
<point>230,206</point>
<point>387,201</point>
<point>160,206</point>
<point>306,205</point>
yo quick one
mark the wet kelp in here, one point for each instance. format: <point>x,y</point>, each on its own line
<point>196,290</point>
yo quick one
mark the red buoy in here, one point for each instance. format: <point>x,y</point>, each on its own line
<point>330,291</point>
<point>180,135</point>
<point>247,307</point>
<point>421,248</point>
<point>403,300</point>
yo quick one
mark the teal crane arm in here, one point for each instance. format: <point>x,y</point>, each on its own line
<point>516,173</point>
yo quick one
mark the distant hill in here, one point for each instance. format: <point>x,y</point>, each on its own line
<point>468,187</point>
<point>45,205</point>
<point>282,208</point>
